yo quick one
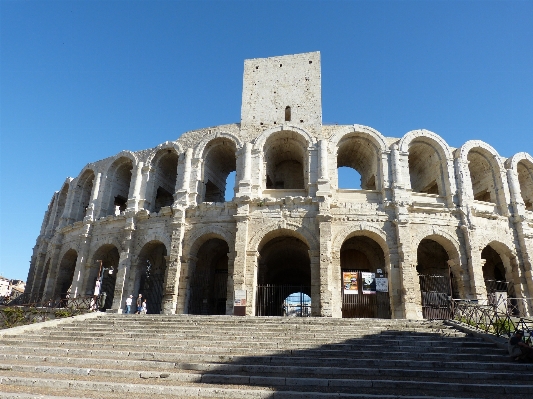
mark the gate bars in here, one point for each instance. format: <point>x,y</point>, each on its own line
<point>283,300</point>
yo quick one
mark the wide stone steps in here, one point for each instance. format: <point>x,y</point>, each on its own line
<point>232,357</point>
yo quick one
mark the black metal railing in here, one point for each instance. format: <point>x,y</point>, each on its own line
<point>500,318</point>
<point>28,309</point>
<point>283,300</point>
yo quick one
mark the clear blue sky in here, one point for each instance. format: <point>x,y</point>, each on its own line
<point>83,80</point>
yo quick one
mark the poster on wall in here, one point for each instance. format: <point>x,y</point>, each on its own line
<point>240,298</point>
<point>369,282</point>
<point>349,283</point>
<point>382,284</point>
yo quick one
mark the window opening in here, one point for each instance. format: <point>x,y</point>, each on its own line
<point>230,186</point>
<point>163,198</point>
<point>121,202</point>
<point>349,178</point>
<point>287,114</point>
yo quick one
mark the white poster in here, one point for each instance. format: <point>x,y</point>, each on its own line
<point>240,298</point>
<point>382,284</point>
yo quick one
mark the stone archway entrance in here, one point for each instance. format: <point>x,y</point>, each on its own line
<point>150,275</point>
<point>284,278</point>
<point>209,281</point>
<point>436,282</point>
<point>362,261</point>
<point>109,257</point>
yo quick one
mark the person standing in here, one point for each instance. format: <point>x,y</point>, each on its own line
<point>144,308</point>
<point>139,304</point>
<point>128,304</point>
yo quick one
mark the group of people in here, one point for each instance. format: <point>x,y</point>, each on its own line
<point>141,305</point>
<point>520,350</point>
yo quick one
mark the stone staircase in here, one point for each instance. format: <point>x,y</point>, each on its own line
<point>158,357</point>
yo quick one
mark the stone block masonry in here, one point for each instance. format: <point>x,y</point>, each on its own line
<point>423,210</point>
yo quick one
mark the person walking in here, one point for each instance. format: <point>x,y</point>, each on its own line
<point>139,304</point>
<point>128,304</point>
<point>143,307</point>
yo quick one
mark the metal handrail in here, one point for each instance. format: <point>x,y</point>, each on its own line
<point>501,318</point>
<point>28,309</point>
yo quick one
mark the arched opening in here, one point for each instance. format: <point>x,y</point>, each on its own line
<point>209,280</point>
<point>494,273</point>
<point>165,175</point>
<point>360,155</point>
<point>219,162</point>
<point>149,275</point>
<point>435,279</point>
<point>118,185</point>
<point>482,176</point>
<point>425,168</point>
<point>364,279</point>
<point>285,161</point>
<point>65,274</point>
<point>525,178</point>
<point>106,258</point>
<point>82,197</point>
<point>284,270</point>
<point>61,201</point>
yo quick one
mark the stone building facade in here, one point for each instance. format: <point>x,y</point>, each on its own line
<point>158,217</point>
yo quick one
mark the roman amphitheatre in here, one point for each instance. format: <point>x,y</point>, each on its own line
<point>425,222</point>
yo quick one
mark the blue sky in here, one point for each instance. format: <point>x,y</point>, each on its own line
<point>83,80</point>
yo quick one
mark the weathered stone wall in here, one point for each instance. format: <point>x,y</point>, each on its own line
<point>415,188</point>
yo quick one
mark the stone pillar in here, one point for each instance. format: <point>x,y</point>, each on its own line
<point>316,283</point>
<point>188,266</point>
<point>230,284</point>
<point>326,286</point>
<point>145,203</point>
<point>412,307</point>
<point>323,186</point>
<point>80,269</point>
<point>123,272</point>
<point>245,185</point>
<point>478,287</point>
<point>49,288</point>
<point>182,195</point>
<point>174,265</point>
<point>240,267</point>
<point>95,203</point>
<point>396,167</point>
<point>133,201</point>
<point>250,281</point>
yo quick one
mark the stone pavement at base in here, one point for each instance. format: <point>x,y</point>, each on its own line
<point>159,356</point>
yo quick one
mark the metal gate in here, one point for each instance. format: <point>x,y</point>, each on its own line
<point>208,293</point>
<point>283,300</point>
<point>108,286</point>
<point>357,303</point>
<point>152,289</point>
<point>436,293</point>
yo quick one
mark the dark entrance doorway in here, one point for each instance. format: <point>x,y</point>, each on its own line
<point>109,257</point>
<point>284,278</point>
<point>209,281</point>
<point>435,280</point>
<point>151,275</point>
<point>362,262</point>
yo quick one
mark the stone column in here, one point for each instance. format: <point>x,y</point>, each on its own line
<point>188,266</point>
<point>397,180</point>
<point>133,201</point>
<point>412,306</point>
<point>95,204</point>
<point>230,284</point>
<point>49,288</point>
<point>240,259</point>
<point>145,203</point>
<point>326,286</point>
<point>250,281</point>
<point>323,186</point>
<point>245,185</point>
<point>478,286</point>
<point>182,195</point>
<point>123,272</point>
<point>316,283</point>
<point>83,253</point>
<point>174,265</point>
